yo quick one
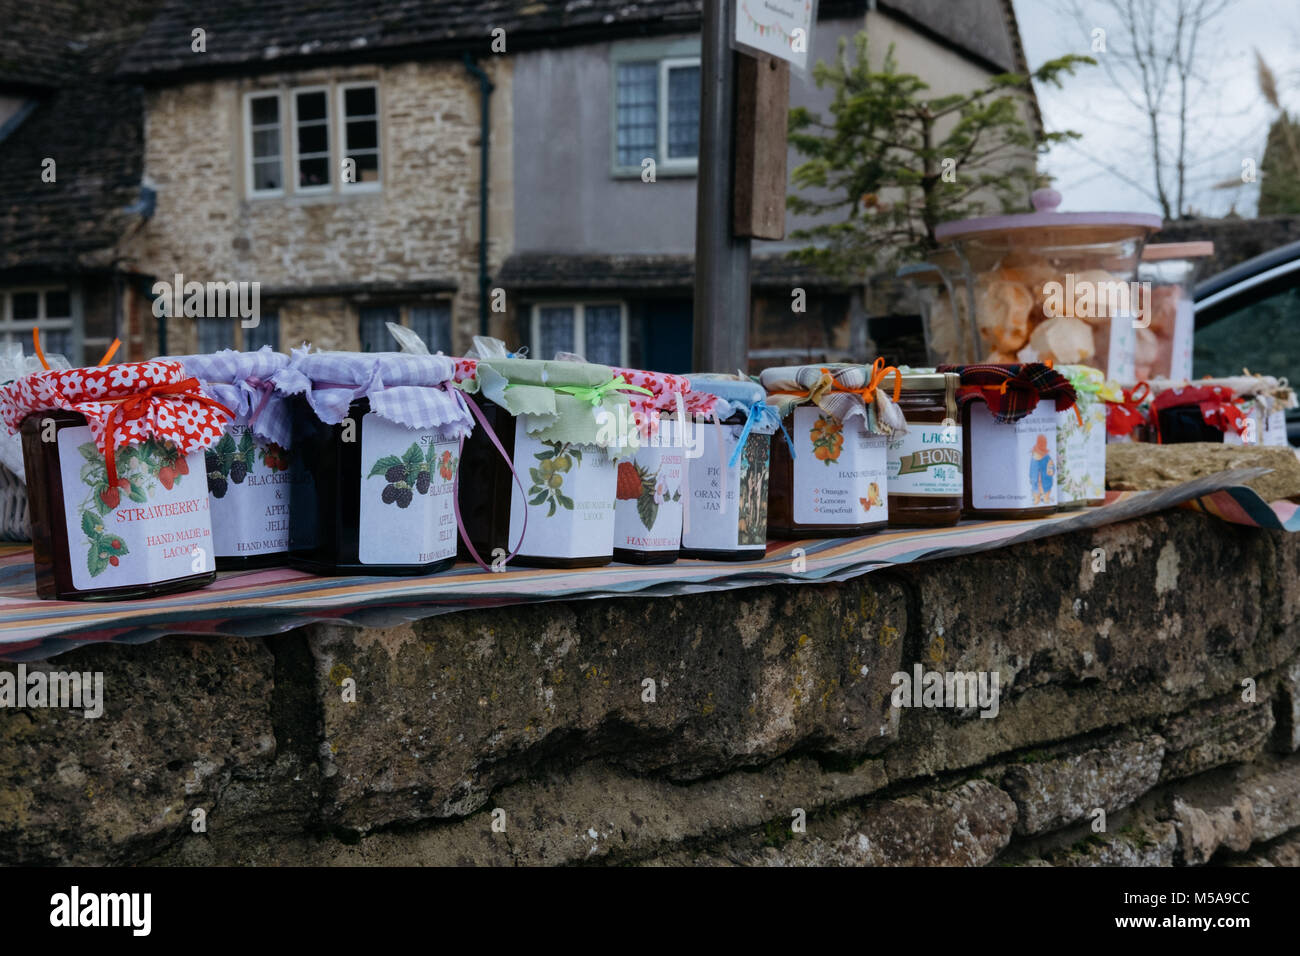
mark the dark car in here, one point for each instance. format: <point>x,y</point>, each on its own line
<point>1248,317</point>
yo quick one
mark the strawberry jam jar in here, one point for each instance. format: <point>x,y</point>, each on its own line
<point>652,474</point>
<point>727,472</point>
<point>116,489</point>
<point>544,478</point>
<point>376,440</point>
<point>248,468</point>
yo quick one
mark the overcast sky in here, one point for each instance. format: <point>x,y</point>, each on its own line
<point>1110,166</point>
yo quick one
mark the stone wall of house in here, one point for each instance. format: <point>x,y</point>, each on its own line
<point>1149,713</point>
<point>421,227</point>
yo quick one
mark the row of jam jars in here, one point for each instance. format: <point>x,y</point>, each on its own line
<point>562,424</point>
<point>831,477</point>
<point>727,474</point>
<point>1009,427</point>
<point>248,469</point>
<point>117,492</point>
<point>376,440</point>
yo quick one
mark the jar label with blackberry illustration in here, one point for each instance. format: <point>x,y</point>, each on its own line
<point>925,462</point>
<point>1013,465</point>
<point>648,510</point>
<point>152,526</point>
<point>726,507</point>
<point>570,490</point>
<point>840,470</point>
<point>248,480</point>
<point>407,513</point>
<point>1081,453</point>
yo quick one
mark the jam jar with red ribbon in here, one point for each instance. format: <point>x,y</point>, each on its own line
<point>117,490</point>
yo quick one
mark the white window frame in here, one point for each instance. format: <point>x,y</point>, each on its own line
<point>579,324</point>
<point>360,187</point>
<point>21,329</point>
<point>674,165</point>
<point>251,191</point>
<point>294,93</point>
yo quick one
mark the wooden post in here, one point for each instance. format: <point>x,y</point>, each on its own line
<point>762,111</point>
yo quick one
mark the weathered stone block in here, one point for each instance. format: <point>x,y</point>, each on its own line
<point>1222,731</point>
<point>445,713</point>
<point>1052,792</point>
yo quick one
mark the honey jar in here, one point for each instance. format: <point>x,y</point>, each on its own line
<point>925,462</point>
<point>115,480</point>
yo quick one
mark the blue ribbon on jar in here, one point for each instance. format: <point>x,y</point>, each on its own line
<point>759,411</point>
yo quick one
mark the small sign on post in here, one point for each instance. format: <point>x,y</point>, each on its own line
<point>779,28</point>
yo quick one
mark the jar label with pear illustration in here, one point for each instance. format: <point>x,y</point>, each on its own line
<point>248,482</point>
<point>570,489</point>
<point>1013,465</point>
<point>648,510</point>
<point>407,513</point>
<point>151,526</point>
<point>840,470</point>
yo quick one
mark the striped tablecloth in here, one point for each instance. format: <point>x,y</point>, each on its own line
<point>258,603</point>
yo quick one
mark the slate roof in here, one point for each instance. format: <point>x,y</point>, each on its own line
<point>63,54</point>
<point>249,36</point>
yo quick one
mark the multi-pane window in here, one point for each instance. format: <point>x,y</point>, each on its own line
<point>657,112</point>
<point>216,333</point>
<point>266,332</point>
<point>375,336</point>
<point>50,310</point>
<point>596,331</point>
<point>430,321</point>
<point>266,169</point>
<point>361,133</point>
<point>311,119</point>
<point>295,138</point>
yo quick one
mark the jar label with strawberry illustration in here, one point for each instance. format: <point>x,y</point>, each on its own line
<point>925,461</point>
<point>648,508</point>
<point>407,512</point>
<point>570,489</point>
<point>840,470</point>
<point>152,526</point>
<point>726,507</point>
<point>248,480</point>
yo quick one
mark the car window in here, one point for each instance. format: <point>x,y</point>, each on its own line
<point>1263,336</point>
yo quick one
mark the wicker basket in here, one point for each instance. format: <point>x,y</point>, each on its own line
<point>14,524</point>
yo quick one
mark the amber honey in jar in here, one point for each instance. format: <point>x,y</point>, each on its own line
<point>925,463</point>
<point>831,478</point>
<point>557,508</point>
<point>374,473</point>
<point>124,515</point>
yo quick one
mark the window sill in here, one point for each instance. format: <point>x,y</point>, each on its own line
<point>661,172</point>
<point>315,198</point>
